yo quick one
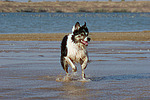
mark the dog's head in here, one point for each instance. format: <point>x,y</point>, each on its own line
<point>80,34</point>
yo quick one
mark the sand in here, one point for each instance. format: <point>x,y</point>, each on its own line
<point>118,70</point>
<point>69,6</point>
<point>101,36</point>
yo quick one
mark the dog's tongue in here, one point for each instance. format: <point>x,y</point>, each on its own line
<point>85,43</point>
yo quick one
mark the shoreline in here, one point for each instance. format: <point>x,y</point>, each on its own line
<point>95,36</point>
<point>75,6</point>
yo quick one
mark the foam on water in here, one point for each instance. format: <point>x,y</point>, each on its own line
<point>71,78</point>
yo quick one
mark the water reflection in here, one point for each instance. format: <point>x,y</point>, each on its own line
<point>121,77</point>
<point>76,90</point>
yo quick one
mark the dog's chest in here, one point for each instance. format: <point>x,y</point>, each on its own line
<point>76,52</point>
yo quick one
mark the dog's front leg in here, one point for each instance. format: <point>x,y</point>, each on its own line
<point>83,66</point>
<point>74,68</point>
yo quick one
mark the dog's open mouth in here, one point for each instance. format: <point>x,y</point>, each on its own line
<point>84,42</point>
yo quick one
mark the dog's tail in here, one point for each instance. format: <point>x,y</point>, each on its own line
<point>64,53</point>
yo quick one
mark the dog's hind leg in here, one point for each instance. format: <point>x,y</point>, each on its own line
<point>64,64</point>
<point>64,54</point>
<point>74,68</point>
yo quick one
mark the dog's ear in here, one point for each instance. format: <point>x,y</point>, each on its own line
<point>85,29</point>
<point>84,24</point>
<point>76,27</point>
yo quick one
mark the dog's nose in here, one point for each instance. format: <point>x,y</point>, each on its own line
<point>88,39</point>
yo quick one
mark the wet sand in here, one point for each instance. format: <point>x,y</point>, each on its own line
<point>118,70</point>
<point>99,36</point>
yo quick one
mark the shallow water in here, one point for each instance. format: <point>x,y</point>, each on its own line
<point>117,70</point>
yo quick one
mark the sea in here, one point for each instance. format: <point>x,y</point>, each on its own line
<point>20,23</point>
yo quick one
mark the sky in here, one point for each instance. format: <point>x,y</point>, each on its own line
<point>70,0</point>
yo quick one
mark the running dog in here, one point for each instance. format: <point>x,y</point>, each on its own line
<point>73,48</point>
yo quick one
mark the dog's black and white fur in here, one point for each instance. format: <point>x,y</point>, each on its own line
<point>73,48</point>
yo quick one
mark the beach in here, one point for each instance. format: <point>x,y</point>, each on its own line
<point>118,68</point>
<point>119,50</point>
<point>99,36</point>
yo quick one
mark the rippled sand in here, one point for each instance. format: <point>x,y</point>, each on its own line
<point>117,70</point>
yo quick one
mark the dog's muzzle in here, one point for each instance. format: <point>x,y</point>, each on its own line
<point>85,41</point>
<point>88,39</point>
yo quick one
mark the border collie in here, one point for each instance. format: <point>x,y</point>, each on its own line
<point>73,48</point>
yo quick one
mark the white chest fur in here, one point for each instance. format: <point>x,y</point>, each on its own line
<point>75,51</point>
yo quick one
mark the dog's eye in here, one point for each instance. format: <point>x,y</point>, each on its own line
<point>82,34</point>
